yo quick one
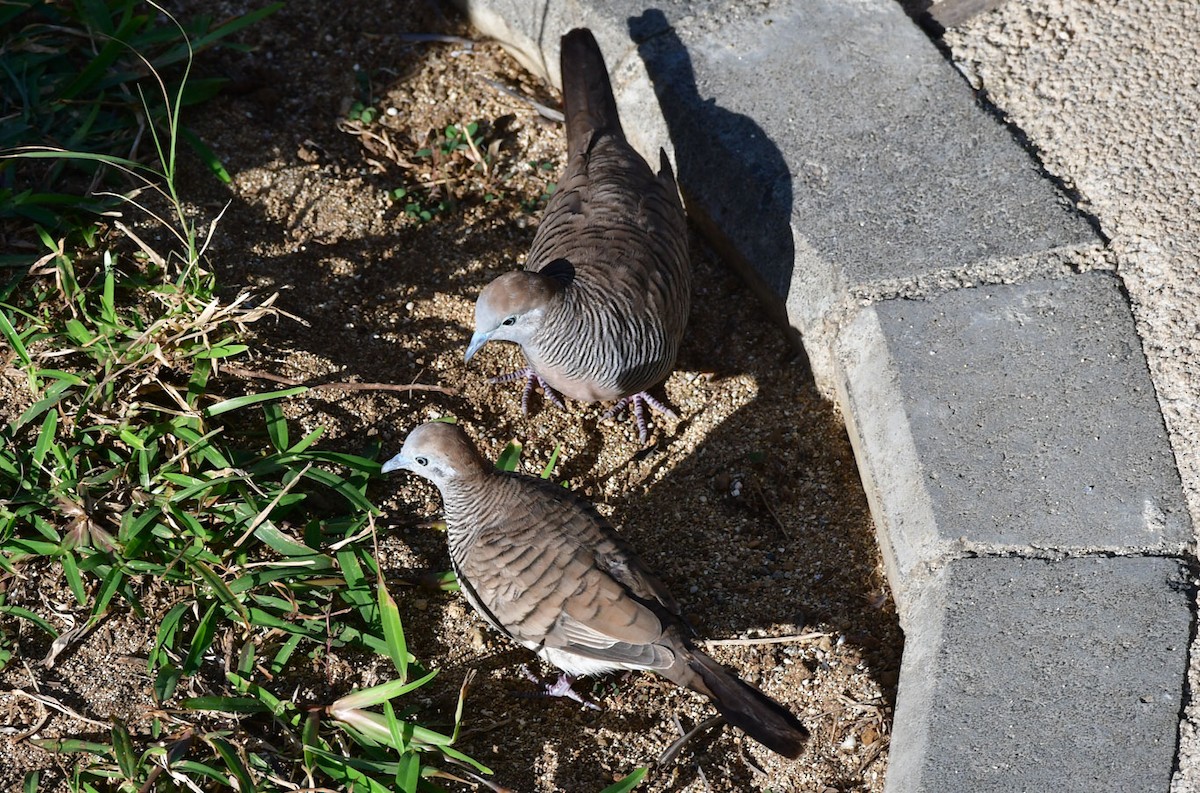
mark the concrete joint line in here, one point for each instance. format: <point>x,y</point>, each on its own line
<point>1060,262</point>
<point>953,551</point>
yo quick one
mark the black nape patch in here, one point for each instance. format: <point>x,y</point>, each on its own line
<point>560,270</point>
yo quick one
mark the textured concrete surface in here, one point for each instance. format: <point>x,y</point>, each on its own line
<point>965,316</point>
<point>1035,420</point>
<point>1009,419</point>
<point>1106,93</point>
<point>1043,675</point>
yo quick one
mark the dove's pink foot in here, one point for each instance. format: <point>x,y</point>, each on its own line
<point>640,402</point>
<point>531,379</point>
<point>564,686</point>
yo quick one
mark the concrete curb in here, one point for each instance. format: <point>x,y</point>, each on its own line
<point>966,320</point>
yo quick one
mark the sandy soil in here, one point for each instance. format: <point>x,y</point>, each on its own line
<point>750,507</point>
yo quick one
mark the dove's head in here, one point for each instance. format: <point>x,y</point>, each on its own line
<point>511,308</point>
<point>439,452</point>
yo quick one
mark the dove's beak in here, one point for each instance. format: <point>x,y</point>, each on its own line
<point>395,464</point>
<point>479,339</point>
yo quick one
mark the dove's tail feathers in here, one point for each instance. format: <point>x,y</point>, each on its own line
<point>747,708</point>
<point>588,102</point>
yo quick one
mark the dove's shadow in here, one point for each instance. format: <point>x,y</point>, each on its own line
<point>735,181</point>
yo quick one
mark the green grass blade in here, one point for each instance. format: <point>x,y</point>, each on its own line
<point>450,751</point>
<point>342,487</point>
<point>195,488</point>
<point>201,640</point>
<point>275,705</point>
<point>91,74</point>
<point>108,588</point>
<point>47,153</point>
<point>224,350</point>
<point>277,428</point>
<point>234,763</point>
<point>165,637</point>
<point>548,471</point>
<point>351,570</point>
<point>207,156</point>
<point>45,437</point>
<point>220,589</point>
<point>122,745</point>
<point>200,769</point>
<point>408,772</point>
<point>270,535</point>
<point>202,445</point>
<point>393,631</point>
<point>348,777</point>
<point>51,398</point>
<point>370,697</point>
<point>284,653</point>
<point>226,704</point>
<point>252,399</point>
<point>23,613</point>
<point>399,734</point>
<point>510,458</point>
<point>233,26</point>
<point>198,382</point>
<point>74,579</point>
<point>14,339</point>
<point>166,681</point>
<point>108,309</point>
<point>307,440</point>
<point>72,745</point>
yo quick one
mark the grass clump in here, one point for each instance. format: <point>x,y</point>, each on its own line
<point>139,481</point>
<point>125,482</point>
<point>73,80</point>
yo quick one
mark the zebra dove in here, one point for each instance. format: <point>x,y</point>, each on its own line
<point>541,566</point>
<point>600,308</point>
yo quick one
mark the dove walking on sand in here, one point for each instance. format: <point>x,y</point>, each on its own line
<point>600,308</point>
<point>540,565</point>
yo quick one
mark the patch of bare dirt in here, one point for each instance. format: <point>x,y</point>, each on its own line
<point>750,507</point>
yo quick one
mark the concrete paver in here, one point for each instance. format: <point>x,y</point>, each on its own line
<point>1043,675</point>
<point>1105,93</point>
<point>1028,422</point>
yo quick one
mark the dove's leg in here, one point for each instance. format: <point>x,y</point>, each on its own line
<point>640,402</point>
<point>562,687</point>
<point>531,379</point>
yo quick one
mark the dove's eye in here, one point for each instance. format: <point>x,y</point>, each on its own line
<point>509,321</point>
<point>422,461</point>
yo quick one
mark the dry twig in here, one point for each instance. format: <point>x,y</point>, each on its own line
<point>673,750</point>
<point>749,641</point>
<point>545,112</point>
<point>61,708</point>
<point>251,374</point>
<point>767,503</point>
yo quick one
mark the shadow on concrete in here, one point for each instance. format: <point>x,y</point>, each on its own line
<point>734,179</point>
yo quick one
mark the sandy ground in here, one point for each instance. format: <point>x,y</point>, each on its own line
<point>1107,94</point>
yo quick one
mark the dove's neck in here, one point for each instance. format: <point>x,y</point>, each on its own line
<point>471,505</point>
